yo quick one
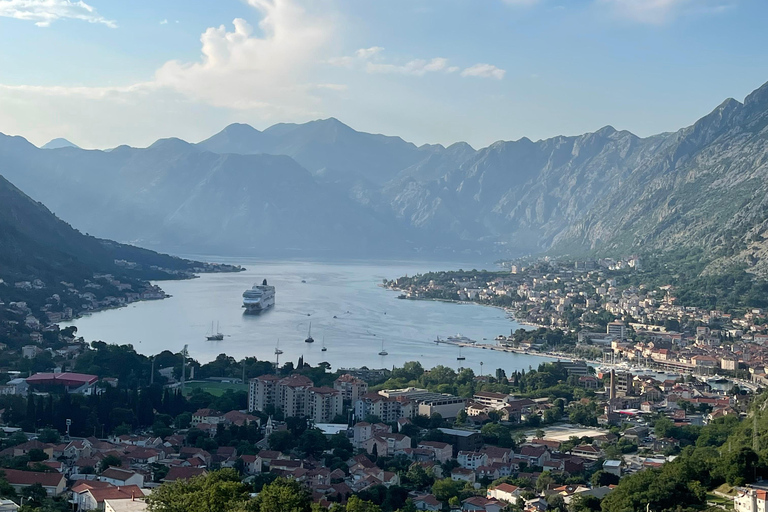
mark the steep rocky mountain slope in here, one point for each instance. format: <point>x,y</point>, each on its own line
<point>706,186</point>
<point>36,245</point>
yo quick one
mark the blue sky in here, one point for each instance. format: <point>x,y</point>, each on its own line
<point>107,72</point>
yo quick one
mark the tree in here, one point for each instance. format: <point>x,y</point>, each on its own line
<point>108,462</point>
<point>355,504</point>
<point>219,491</point>
<point>601,478</point>
<point>282,440</point>
<point>419,477</point>
<point>49,435</point>
<point>34,493</point>
<point>446,488</point>
<point>283,495</point>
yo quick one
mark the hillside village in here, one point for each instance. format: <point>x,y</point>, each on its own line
<point>488,451</point>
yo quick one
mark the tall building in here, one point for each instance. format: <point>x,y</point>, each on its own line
<point>324,404</point>
<point>292,395</point>
<point>351,387</point>
<point>617,329</point>
<point>295,396</point>
<point>261,392</point>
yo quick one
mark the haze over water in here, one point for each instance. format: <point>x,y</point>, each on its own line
<point>366,314</point>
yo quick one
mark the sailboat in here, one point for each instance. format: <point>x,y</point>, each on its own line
<point>277,348</point>
<point>215,335</point>
<point>309,339</point>
<point>324,349</point>
<point>461,357</point>
<point>383,352</point>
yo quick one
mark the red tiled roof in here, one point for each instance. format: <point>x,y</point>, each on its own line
<point>182,473</point>
<point>16,477</point>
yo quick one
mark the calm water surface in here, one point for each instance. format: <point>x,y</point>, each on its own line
<point>347,307</point>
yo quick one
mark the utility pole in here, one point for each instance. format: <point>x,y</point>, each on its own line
<point>184,355</point>
<point>152,375</point>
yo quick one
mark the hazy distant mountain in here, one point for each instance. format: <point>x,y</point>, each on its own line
<point>335,190</point>
<point>177,196</point>
<point>324,144</point>
<point>58,144</point>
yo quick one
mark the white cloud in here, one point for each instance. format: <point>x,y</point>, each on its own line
<point>243,70</point>
<point>164,22</point>
<point>417,67</point>
<point>484,71</point>
<point>367,53</point>
<point>45,12</point>
<point>658,12</point>
<point>373,63</point>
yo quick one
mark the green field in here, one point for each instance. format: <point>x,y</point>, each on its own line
<point>214,388</point>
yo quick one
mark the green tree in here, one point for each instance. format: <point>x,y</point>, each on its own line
<point>446,489</point>
<point>219,491</point>
<point>283,495</point>
<point>355,504</point>
<point>108,462</point>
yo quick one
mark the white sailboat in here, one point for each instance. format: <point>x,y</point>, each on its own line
<point>461,357</point>
<point>215,335</point>
<point>324,349</point>
<point>309,339</point>
<point>277,348</point>
<point>383,352</point>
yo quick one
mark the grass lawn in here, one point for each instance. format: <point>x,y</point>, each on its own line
<point>214,388</point>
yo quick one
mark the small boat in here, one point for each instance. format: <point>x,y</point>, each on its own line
<point>309,339</point>
<point>383,352</point>
<point>277,348</point>
<point>461,357</point>
<point>303,281</point>
<point>215,335</point>
<point>324,349</point>
<point>438,340</point>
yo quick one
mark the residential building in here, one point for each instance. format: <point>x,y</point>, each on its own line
<point>53,483</point>
<point>351,388</point>
<point>324,404</point>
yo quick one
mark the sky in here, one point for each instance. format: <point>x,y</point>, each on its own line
<point>106,72</point>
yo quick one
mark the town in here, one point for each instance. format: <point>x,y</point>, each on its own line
<point>603,311</point>
<point>560,437</point>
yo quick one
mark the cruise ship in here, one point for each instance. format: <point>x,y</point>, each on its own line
<point>259,298</point>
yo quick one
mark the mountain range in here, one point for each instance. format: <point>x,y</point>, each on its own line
<point>323,188</point>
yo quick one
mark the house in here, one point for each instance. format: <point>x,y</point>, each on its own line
<point>122,477</point>
<point>132,505</point>
<point>209,416</point>
<point>53,483</point>
<point>385,445</point>
<point>504,492</point>
<point>427,502</point>
<point>93,499</point>
<point>471,460</point>
<point>750,500</point>
<point>480,504</point>
<point>535,455</point>
<point>252,464</point>
<point>588,451</point>
<point>613,467</point>
<point>465,475</point>
<point>443,452</point>
<point>8,506</point>
<point>181,473</point>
